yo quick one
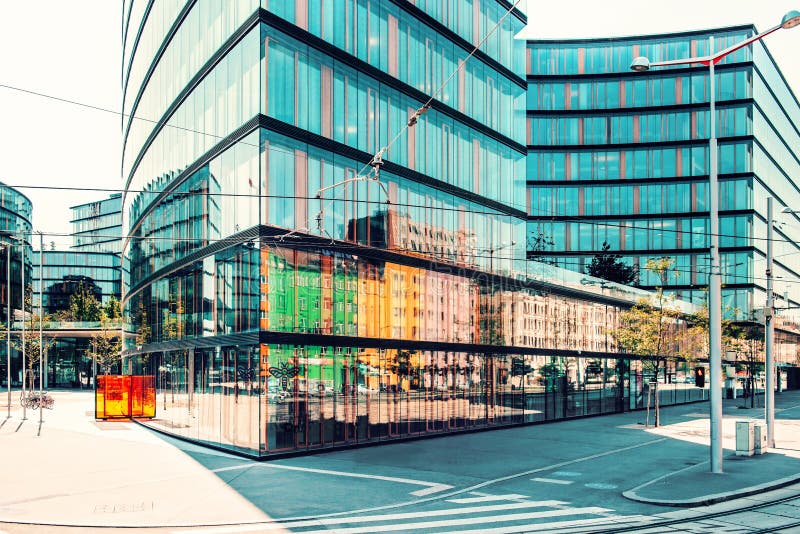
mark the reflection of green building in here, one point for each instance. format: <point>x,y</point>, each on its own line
<point>311,294</point>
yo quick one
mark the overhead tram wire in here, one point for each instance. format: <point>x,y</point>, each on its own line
<point>562,218</point>
<point>276,241</point>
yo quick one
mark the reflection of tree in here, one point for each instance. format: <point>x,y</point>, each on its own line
<point>73,298</point>
<point>609,266</point>
<point>552,371</point>
<point>539,243</point>
<point>172,325</point>
<point>83,304</point>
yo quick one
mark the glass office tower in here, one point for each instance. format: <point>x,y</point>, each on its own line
<point>620,157</point>
<point>97,226</point>
<point>289,299</point>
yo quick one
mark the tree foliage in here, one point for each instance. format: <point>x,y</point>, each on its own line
<point>113,309</point>
<point>30,341</point>
<point>106,344</point>
<point>653,328</point>
<point>609,266</point>
<point>83,305</point>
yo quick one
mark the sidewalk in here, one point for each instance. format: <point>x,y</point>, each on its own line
<point>76,471</point>
<point>742,475</point>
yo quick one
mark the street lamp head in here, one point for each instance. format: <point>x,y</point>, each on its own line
<point>790,19</point>
<point>640,64</point>
<point>787,209</point>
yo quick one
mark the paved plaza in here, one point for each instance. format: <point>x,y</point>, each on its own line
<point>75,473</point>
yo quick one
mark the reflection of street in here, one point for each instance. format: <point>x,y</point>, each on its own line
<point>245,416</point>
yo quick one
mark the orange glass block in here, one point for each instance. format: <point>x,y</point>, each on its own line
<point>125,396</point>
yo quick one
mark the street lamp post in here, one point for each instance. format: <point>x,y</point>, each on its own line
<point>492,250</point>
<point>643,64</point>
<point>769,338</point>
<point>41,322</point>
<point>7,246</point>
<point>22,340</point>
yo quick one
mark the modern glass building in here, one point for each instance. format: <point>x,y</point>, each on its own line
<point>15,231</point>
<point>97,226</point>
<point>65,270</point>
<point>288,297</point>
<point>621,157</point>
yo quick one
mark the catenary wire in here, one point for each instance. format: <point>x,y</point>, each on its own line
<point>562,218</point>
<point>278,241</point>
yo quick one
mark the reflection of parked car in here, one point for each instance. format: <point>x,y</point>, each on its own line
<point>276,394</point>
<point>363,389</point>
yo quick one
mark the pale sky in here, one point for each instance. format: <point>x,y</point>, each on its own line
<point>71,50</point>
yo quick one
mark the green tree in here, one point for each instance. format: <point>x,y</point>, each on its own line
<point>83,305</point>
<point>29,342</point>
<point>652,329</point>
<point>744,343</point>
<point>609,266</point>
<point>112,309</point>
<point>106,344</point>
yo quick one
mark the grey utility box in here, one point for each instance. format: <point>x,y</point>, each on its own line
<point>760,438</point>
<point>745,444</point>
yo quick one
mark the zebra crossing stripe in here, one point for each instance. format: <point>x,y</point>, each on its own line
<point>558,526</point>
<point>463,521</point>
<point>383,517</point>
<point>489,498</point>
<point>553,481</point>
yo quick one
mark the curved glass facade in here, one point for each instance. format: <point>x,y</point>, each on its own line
<point>15,228</point>
<point>287,301</point>
<point>621,158</point>
<point>15,235</point>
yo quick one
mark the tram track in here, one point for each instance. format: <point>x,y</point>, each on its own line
<point>701,517</point>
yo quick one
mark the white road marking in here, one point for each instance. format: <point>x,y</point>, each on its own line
<point>600,486</point>
<point>613,520</point>
<point>552,481</point>
<point>487,498</point>
<point>381,517</point>
<point>430,487</point>
<point>434,488</point>
<point>566,474</point>
<point>473,490</point>
<point>464,521</point>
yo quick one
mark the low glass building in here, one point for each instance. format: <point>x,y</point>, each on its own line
<point>288,292</point>
<point>63,271</point>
